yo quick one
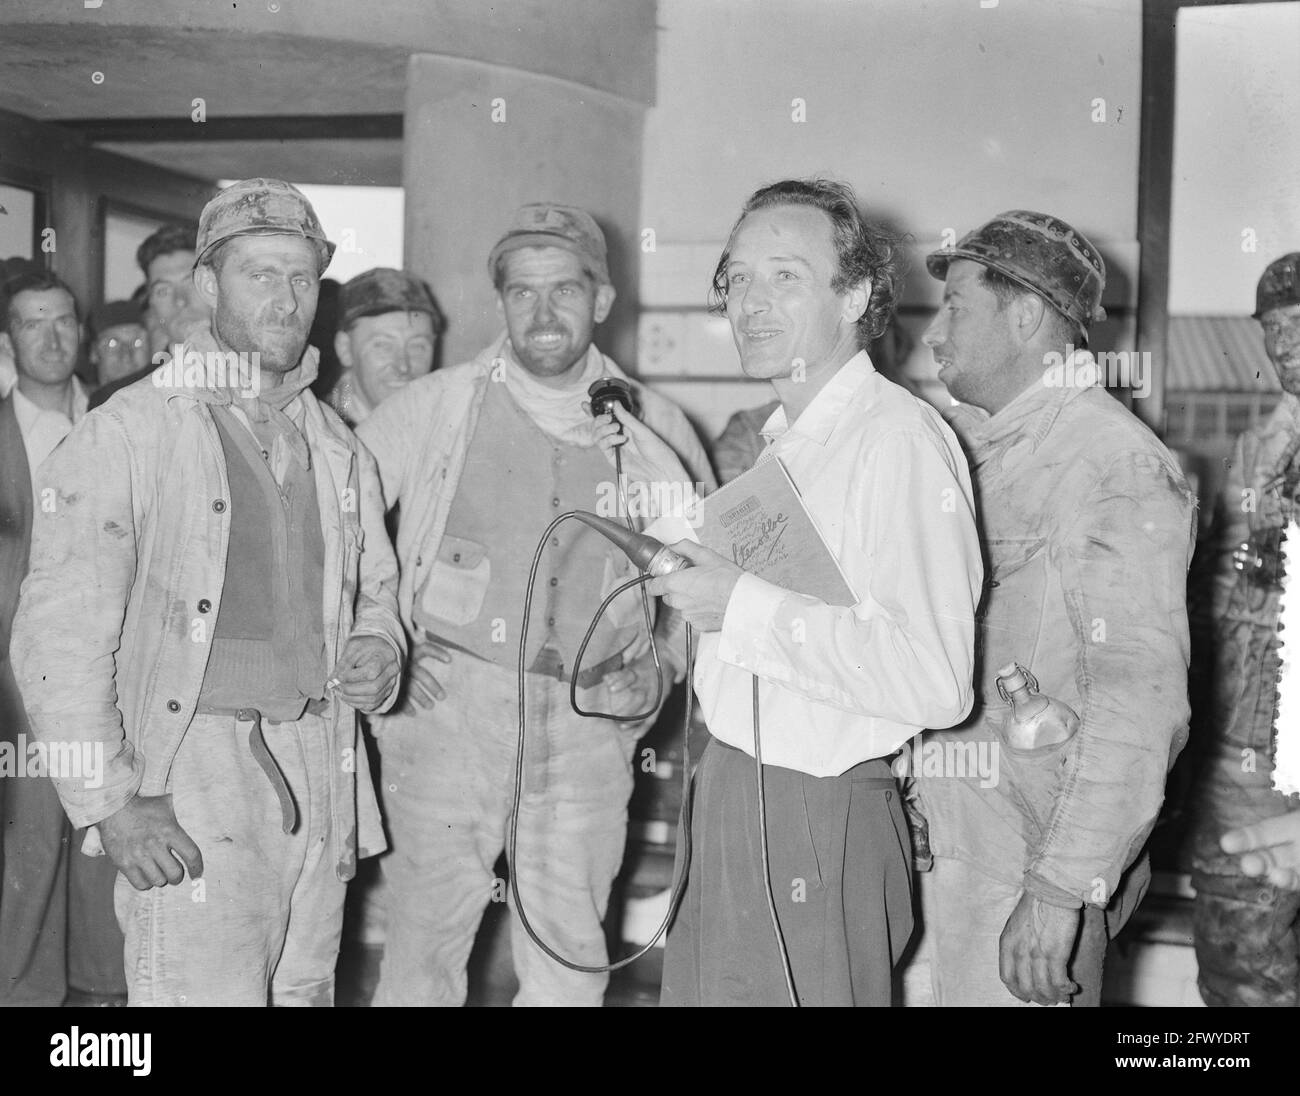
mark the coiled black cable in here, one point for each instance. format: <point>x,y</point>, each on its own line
<point>684,825</point>
<point>679,884</point>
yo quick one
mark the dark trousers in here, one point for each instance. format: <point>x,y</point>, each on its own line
<point>34,896</point>
<point>57,925</point>
<point>841,877</point>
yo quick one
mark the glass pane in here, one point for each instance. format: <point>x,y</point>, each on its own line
<point>123,233</point>
<point>17,222</point>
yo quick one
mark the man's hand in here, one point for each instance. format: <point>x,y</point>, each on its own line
<point>1035,949</point>
<point>144,840</point>
<point>366,672</point>
<point>1270,848</point>
<point>632,688</point>
<point>701,592</point>
<point>423,688</point>
<point>646,456</point>
<point>621,428</point>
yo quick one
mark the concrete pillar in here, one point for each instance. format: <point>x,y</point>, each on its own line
<point>481,140</point>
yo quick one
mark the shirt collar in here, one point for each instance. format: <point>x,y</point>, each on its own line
<point>1028,418</point>
<point>28,412</point>
<point>819,418</point>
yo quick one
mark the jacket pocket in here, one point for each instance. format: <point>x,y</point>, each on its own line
<point>1013,601</point>
<point>457,582</point>
<point>1034,777</point>
<point>1007,555</point>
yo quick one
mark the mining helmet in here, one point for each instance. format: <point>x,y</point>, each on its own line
<point>381,290</point>
<point>260,207</point>
<point>1279,285</point>
<point>1042,254</point>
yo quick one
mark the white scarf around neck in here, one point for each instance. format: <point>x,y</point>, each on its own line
<point>557,411</point>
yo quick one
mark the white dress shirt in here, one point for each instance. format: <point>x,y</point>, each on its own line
<point>42,430</point>
<point>887,484</point>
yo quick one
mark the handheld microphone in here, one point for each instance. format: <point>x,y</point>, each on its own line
<point>607,391</point>
<point>651,556</point>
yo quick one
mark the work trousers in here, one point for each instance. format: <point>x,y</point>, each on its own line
<point>262,924</point>
<point>956,959</point>
<point>448,781</point>
<point>840,867</point>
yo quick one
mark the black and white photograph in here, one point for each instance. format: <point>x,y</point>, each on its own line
<point>650,503</point>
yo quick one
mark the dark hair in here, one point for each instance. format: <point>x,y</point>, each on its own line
<point>1002,287</point>
<point>164,241</point>
<point>215,256</point>
<point>30,281</point>
<point>1006,291</point>
<point>864,250</point>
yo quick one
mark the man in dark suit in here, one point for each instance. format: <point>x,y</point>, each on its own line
<point>57,928</point>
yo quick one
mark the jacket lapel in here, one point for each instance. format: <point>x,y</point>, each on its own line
<point>15,517</point>
<point>332,463</point>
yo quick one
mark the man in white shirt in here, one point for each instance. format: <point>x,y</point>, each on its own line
<point>805,283</point>
<point>41,951</point>
<point>44,334</point>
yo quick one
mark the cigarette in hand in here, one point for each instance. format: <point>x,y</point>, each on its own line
<point>333,683</point>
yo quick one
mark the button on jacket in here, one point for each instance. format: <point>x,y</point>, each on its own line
<point>128,565</point>
<point>422,438</point>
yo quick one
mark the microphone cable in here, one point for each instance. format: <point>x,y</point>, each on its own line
<point>684,823</point>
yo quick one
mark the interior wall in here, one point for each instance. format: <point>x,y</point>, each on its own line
<point>482,140</point>
<point>942,114</point>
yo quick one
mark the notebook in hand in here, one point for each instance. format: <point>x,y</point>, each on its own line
<point>759,522</point>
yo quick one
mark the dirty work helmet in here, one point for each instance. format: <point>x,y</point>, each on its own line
<point>260,207</point>
<point>383,289</point>
<point>1042,254</point>
<point>1279,285</point>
